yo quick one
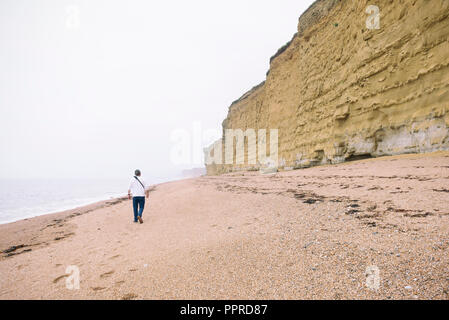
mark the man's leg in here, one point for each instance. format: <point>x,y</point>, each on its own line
<point>135,204</point>
<point>141,207</point>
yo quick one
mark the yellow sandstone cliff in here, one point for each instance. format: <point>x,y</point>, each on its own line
<point>341,91</point>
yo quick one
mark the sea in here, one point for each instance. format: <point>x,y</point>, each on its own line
<point>27,198</point>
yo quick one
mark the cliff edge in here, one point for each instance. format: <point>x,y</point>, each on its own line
<point>340,90</point>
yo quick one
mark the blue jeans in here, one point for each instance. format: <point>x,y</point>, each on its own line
<point>138,206</point>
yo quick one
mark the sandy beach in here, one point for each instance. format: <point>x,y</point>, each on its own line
<point>305,234</point>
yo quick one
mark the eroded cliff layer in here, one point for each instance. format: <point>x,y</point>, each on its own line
<point>340,90</point>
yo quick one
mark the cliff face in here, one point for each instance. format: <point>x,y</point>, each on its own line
<point>339,91</point>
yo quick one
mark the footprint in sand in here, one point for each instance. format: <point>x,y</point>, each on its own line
<point>106,274</point>
<point>59,278</point>
<point>129,296</point>
<point>98,288</point>
<point>119,283</point>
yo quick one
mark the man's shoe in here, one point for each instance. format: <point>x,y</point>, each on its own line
<point>135,221</point>
<point>140,219</point>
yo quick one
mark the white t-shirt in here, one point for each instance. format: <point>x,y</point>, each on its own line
<point>136,188</point>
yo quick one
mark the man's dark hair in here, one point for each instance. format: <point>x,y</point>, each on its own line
<point>137,172</point>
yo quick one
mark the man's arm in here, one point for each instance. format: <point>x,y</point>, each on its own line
<point>129,190</point>
<point>147,191</point>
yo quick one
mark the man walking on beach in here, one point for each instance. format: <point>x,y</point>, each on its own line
<point>138,189</point>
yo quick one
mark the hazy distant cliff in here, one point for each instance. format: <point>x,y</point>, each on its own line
<point>340,90</point>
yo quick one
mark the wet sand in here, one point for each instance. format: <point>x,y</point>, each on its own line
<point>306,234</point>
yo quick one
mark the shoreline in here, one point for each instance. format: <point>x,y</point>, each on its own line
<point>82,204</point>
<point>63,209</point>
<point>30,230</point>
<point>59,220</point>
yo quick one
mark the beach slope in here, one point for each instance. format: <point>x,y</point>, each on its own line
<point>316,233</point>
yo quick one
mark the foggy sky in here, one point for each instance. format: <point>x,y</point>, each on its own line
<point>95,89</point>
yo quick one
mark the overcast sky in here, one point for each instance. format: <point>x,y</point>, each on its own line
<point>98,88</point>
